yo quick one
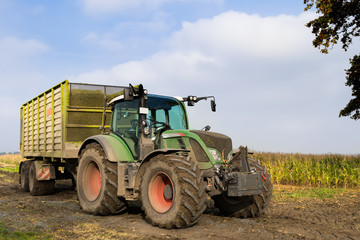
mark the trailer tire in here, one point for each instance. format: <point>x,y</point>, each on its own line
<point>248,206</point>
<point>24,175</point>
<point>172,191</point>
<point>97,183</point>
<point>36,187</point>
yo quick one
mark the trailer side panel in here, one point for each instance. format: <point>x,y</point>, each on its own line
<point>55,123</point>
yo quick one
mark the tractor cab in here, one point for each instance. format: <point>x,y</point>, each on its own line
<point>140,119</point>
<point>164,113</point>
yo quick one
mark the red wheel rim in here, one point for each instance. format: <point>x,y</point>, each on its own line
<point>161,192</point>
<point>92,181</point>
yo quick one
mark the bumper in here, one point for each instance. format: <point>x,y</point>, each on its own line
<point>245,184</point>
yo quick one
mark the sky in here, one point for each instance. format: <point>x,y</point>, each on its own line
<point>274,91</point>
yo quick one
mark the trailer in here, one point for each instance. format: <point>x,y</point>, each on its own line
<point>54,125</point>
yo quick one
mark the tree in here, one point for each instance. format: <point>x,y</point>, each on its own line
<point>339,19</point>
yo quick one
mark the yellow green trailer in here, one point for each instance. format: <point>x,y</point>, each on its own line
<point>121,145</point>
<point>53,126</point>
<point>55,123</point>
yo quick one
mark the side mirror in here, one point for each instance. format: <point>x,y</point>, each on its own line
<point>213,106</point>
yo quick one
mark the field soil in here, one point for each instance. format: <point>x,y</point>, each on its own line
<point>60,216</point>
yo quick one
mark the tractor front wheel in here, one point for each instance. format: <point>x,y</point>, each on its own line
<point>173,191</point>
<point>97,183</point>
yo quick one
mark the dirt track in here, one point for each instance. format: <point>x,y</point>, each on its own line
<point>60,216</point>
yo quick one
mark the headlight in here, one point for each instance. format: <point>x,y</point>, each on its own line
<point>215,154</point>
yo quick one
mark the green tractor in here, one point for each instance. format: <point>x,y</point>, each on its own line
<point>150,155</point>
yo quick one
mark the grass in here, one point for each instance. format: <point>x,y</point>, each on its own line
<point>10,162</point>
<point>5,233</point>
<point>331,171</point>
<point>285,193</point>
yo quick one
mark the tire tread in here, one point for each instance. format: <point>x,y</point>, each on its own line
<point>192,203</point>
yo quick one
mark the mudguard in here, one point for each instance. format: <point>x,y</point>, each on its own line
<point>44,171</point>
<point>162,151</point>
<point>115,149</point>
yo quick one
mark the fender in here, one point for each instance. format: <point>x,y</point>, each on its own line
<point>44,170</point>
<point>115,149</point>
<point>162,151</point>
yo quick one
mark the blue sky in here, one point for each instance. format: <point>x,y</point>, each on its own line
<point>274,91</point>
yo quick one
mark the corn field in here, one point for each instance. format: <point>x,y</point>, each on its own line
<point>313,170</point>
<point>294,169</point>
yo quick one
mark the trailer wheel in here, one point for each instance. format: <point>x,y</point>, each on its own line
<point>97,183</point>
<point>24,175</point>
<point>173,191</point>
<point>248,206</point>
<point>36,187</point>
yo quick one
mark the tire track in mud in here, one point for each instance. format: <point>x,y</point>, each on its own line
<point>314,219</point>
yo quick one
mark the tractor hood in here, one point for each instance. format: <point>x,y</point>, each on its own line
<point>217,141</point>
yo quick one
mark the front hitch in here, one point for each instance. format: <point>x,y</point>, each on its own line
<point>245,184</point>
<point>237,179</point>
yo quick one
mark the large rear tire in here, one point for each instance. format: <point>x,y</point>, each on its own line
<point>36,187</point>
<point>97,183</point>
<point>173,191</point>
<point>249,206</point>
<point>24,175</point>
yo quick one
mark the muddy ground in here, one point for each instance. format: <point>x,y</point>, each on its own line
<point>60,216</point>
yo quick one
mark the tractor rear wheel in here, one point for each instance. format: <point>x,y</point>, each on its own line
<point>173,191</point>
<point>37,187</point>
<point>97,183</point>
<point>248,206</point>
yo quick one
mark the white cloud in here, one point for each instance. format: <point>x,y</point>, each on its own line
<point>274,90</point>
<point>234,33</point>
<point>154,71</point>
<point>222,47</point>
<point>14,49</point>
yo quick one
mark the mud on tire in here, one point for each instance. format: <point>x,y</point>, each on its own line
<point>97,183</point>
<point>173,191</point>
<point>248,206</point>
<point>24,175</point>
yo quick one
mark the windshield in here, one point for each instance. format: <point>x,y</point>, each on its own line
<point>166,110</point>
<point>163,112</point>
